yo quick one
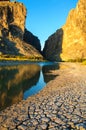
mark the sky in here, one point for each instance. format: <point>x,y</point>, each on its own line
<point>44,17</point>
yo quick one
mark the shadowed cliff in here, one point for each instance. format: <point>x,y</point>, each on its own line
<point>32,40</point>
<point>53,46</point>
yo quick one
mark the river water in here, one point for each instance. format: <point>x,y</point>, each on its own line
<point>19,82</point>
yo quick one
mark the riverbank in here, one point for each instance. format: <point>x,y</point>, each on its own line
<point>7,60</point>
<point>61,105</point>
<point>18,62</point>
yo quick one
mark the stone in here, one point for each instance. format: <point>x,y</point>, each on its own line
<point>71,124</point>
<point>81,126</point>
<point>73,46</point>
<point>22,127</point>
<point>59,121</point>
<point>43,126</point>
<point>3,128</point>
<point>35,122</point>
<point>45,119</point>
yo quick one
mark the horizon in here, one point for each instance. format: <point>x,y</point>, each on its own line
<point>44,17</point>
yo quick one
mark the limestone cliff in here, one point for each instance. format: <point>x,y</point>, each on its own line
<point>12,27</point>
<point>73,42</point>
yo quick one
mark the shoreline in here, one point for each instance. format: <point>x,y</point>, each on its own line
<point>18,62</point>
<point>60,105</point>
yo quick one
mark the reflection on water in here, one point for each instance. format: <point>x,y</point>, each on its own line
<point>36,88</point>
<point>21,81</point>
<point>47,72</point>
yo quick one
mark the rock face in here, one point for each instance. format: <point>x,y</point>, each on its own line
<point>12,19</point>
<point>32,40</point>
<point>73,39</point>
<point>12,27</point>
<point>53,46</point>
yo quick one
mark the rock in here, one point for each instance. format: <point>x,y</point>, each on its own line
<point>2,128</point>
<point>53,46</point>
<point>32,40</point>
<point>58,120</point>
<point>12,27</point>
<point>81,126</point>
<point>74,37</point>
<point>68,43</point>
<point>22,127</point>
<point>13,16</point>
<point>71,124</point>
<point>45,119</point>
<point>44,126</point>
<point>35,122</point>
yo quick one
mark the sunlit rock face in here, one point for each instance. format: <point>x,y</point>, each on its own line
<point>12,29</point>
<point>12,19</point>
<point>74,38</point>
<point>74,35</point>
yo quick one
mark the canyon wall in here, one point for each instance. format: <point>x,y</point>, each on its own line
<point>12,31</point>
<point>32,40</point>
<point>53,46</point>
<point>73,39</point>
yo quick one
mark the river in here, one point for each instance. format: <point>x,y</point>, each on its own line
<point>18,82</point>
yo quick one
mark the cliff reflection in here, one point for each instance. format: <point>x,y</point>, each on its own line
<point>47,72</point>
<point>15,80</point>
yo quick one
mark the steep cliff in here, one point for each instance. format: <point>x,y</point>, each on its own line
<point>12,19</point>
<point>32,40</point>
<point>73,42</point>
<point>12,27</point>
<point>53,46</point>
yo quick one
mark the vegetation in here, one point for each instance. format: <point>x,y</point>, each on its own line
<point>76,60</point>
<point>84,62</point>
<point>19,58</point>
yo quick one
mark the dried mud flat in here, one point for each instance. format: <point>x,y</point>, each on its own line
<point>61,105</point>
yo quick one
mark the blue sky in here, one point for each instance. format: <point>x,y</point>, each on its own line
<point>44,17</point>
